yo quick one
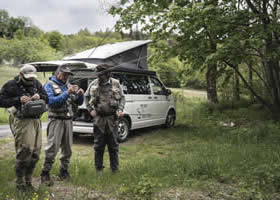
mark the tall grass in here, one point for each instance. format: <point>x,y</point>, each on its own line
<point>225,152</point>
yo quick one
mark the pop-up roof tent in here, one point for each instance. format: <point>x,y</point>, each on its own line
<point>129,54</point>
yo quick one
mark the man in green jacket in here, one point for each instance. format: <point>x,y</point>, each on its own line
<point>105,102</point>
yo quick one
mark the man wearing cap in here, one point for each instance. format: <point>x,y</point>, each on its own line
<point>59,131</point>
<point>16,93</point>
<point>105,102</point>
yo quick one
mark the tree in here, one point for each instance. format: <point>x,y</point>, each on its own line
<point>27,50</point>
<point>186,22</point>
<point>212,35</point>
<point>55,39</point>
<point>9,25</point>
<point>4,21</point>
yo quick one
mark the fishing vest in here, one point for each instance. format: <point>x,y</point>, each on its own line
<point>105,98</point>
<point>65,110</point>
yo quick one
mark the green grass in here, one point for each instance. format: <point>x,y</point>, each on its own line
<point>223,152</point>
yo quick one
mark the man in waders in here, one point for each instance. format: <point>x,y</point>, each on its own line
<point>105,103</point>
<point>22,94</point>
<point>59,130</point>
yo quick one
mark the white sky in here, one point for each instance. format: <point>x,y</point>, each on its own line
<point>65,16</point>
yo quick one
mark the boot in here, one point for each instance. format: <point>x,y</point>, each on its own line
<point>28,183</point>
<point>28,176</point>
<point>114,160</point>
<point>20,187</point>
<point>20,171</point>
<point>46,179</point>
<point>64,175</point>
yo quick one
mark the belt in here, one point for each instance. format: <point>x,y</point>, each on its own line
<point>106,114</point>
<point>63,118</point>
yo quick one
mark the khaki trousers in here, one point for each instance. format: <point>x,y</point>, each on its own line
<point>28,142</point>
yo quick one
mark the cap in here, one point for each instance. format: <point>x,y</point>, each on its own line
<point>65,69</point>
<point>102,67</point>
<point>28,71</point>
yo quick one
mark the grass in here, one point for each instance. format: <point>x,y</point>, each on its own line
<point>218,152</point>
<point>202,155</point>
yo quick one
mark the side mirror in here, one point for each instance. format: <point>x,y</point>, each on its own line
<point>168,92</point>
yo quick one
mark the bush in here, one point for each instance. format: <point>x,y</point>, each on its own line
<point>27,50</point>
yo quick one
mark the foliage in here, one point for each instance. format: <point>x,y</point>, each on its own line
<point>27,50</point>
<point>82,41</point>
<point>212,36</point>
<point>145,188</point>
<point>9,25</point>
<point>54,38</point>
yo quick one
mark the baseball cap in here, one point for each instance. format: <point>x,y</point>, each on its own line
<point>28,71</point>
<point>65,69</point>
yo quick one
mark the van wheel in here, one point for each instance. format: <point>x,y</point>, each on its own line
<point>123,129</point>
<point>170,119</point>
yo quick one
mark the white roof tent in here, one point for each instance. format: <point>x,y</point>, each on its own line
<point>130,54</point>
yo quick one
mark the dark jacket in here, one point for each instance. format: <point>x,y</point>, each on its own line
<point>14,89</point>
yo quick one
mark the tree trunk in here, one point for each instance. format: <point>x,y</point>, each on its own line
<point>271,67</point>
<point>211,79</point>
<point>236,91</point>
<point>250,80</point>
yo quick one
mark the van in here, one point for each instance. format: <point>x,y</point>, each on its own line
<point>148,101</point>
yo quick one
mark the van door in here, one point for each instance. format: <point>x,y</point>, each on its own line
<point>138,96</point>
<point>160,100</point>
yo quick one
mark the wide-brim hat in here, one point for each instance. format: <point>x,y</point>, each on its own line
<point>103,69</point>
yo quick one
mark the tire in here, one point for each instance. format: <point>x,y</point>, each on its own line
<point>123,129</point>
<point>170,119</point>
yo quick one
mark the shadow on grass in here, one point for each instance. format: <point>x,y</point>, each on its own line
<point>88,139</point>
<point>83,140</point>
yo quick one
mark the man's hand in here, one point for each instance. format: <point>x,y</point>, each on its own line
<point>120,114</point>
<point>81,91</point>
<point>70,89</point>
<point>93,113</point>
<point>35,97</point>
<point>24,99</point>
<point>75,88</point>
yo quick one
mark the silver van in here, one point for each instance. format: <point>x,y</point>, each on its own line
<point>148,101</point>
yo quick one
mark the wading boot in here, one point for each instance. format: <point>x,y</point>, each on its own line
<point>46,179</point>
<point>64,174</point>
<point>20,187</point>
<point>28,184</point>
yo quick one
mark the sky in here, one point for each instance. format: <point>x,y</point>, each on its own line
<point>65,16</point>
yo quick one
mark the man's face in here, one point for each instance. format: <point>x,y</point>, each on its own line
<point>27,81</point>
<point>63,77</point>
<point>103,77</point>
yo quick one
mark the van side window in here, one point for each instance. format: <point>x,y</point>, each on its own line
<point>157,87</point>
<point>134,84</point>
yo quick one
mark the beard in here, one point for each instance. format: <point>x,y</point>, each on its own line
<point>104,79</point>
<point>26,82</point>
